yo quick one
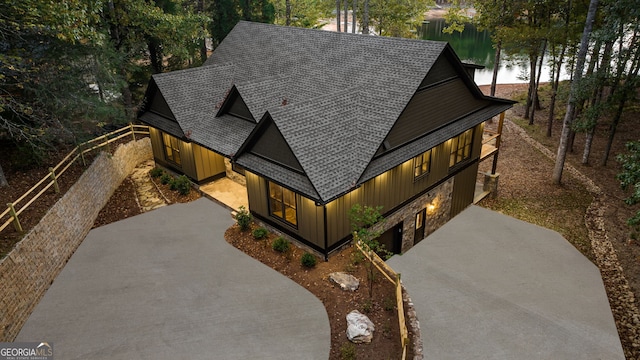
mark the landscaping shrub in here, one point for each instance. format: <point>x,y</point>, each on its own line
<point>156,172</point>
<point>308,260</point>
<point>243,218</point>
<point>348,351</point>
<point>181,184</point>
<point>165,178</point>
<point>280,245</point>
<point>260,233</point>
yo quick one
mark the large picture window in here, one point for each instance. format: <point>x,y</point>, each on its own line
<point>461,147</point>
<point>282,203</point>
<point>172,149</point>
<point>422,164</point>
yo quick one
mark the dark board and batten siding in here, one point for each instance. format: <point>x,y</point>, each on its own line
<point>464,186</point>
<point>440,71</point>
<point>271,145</point>
<point>310,216</point>
<point>159,105</point>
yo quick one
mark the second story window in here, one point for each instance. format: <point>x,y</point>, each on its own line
<point>422,164</point>
<point>461,147</point>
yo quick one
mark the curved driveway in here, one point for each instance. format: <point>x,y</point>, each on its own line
<point>166,285</point>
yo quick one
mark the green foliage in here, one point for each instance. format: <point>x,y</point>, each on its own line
<point>348,351</point>
<point>260,233</point>
<point>397,18</point>
<point>156,172</point>
<point>165,179</point>
<point>243,218</point>
<point>304,13</point>
<point>280,244</point>
<point>389,304</point>
<point>455,18</point>
<point>308,260</point>
<point>181,184</point>
<point>367,305</point>
<point>362,221</point>
<point>629,178</point>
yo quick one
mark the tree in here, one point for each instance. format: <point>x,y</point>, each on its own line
<point>3,179</point>
<point>629,177</point>
<point>365,18</point>
<point>396,18</point>
<point>566,127</point>
<point>303,13</point>
<point>363,221</point>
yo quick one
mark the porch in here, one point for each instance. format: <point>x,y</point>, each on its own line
<point>226,192</point>
<point>487,180</point>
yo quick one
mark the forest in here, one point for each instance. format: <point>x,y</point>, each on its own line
<point>70,70</point>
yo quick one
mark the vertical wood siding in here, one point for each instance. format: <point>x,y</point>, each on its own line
<point>156,144</point>
<point>207,162</point>
<point>272,145</point>
<point>441,70</point>
<point>464,186</point>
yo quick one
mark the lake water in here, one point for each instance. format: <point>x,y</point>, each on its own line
<point>476,47</point>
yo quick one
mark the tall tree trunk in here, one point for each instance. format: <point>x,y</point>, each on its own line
<point>346,15</point>
<point>338,11</point>
<point>155,55</point>
<point>566,126</point>
<point>587,146</point>
<point>535,100</point>
<point>3,179</point>
<point>353,17</point>
<point>554,90</point>
<point>496,67</point>
<point>533,59</point>
<point>365,18</point>
<point>203,46</point>
<point>287,13</point>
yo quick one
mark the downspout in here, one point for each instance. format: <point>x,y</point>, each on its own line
<point>326,237</point>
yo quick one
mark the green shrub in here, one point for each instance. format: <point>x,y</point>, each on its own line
<point>181,184</point>
<point>156,172</point>
<point>308,260</point>
<point>243,218</point>
<point>348,351</point>
<point>165,179</point>
<point>280,244</point>
<point>260,233</point>
<point>367,306</point>
<point>389,303</point>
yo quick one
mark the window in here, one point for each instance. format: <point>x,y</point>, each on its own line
<point>461,147</point>
<point>282,203</point>
<point>422,164</point>
<point>172,148</point>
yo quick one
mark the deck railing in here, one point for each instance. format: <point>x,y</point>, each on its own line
<point>22,203</point>
<point>394,278</point>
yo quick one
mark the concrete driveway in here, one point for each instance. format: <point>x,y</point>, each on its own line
<point>166,285</point>
<point>487,286</point>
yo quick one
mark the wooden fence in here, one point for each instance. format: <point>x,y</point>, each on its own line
<point>394,277</point>
<point>15,208</point>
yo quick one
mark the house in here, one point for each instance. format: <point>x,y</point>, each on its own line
<point>314,122</point>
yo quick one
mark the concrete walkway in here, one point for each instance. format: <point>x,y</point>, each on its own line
<point>166,285</point>
<point>487,286</point>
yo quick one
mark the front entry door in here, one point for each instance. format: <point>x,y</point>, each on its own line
<point>392,239</point>
<point>420,224</point>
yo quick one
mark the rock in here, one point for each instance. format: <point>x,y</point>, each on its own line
<point>359,328</point>
<point>346,281</point>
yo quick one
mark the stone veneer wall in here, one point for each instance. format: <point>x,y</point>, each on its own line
<point>29,269</point>
<point>439,197</point>
<point>234,175</point>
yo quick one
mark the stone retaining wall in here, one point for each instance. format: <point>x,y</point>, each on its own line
<point>29,269</point>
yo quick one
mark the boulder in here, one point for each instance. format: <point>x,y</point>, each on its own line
<point>359,328</point>
<point>346,281</point>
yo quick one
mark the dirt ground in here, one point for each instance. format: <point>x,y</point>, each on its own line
<point>525,191</point>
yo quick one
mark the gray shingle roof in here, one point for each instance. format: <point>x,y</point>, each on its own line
<point>333,96</point>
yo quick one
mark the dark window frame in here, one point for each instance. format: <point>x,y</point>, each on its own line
<point>461,148</point>
<point>420,166</point>
<point>282,199</point>
<point>172,149</point>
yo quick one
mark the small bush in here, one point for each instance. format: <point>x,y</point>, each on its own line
<point>280,244</point>
<point>156,172</point>
<point>389,304</point>
<point>308,260</point>
<point>260,233</point>
<point>243,218</point>
<point>348,351</point>
<point>367,306</point>
<point>165,179</point>
<point>182,185</point>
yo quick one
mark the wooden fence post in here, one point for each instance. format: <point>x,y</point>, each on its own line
<point>16,222</point>
<point>133,132</point>
<point>55,181</point>
<point>81,149</point>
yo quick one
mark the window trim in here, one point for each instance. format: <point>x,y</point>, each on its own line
<point>174,150</point>
<point>419,166</point>
<point>282,203</point>
<point>458,154</point>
